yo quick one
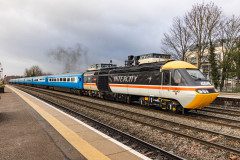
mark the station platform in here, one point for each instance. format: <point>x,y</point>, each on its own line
<point>33,129</point>
<point>229,95</point>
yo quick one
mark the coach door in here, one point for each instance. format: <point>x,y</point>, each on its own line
<point>80,82</point>
<point>166,83</point>
<point>102,81</point>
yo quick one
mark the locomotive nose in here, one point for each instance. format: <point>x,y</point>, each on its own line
<point>202,100</point>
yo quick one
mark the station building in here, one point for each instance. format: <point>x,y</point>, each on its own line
<point>191,57</point>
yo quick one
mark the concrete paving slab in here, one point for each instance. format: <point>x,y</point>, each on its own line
<point>90,136</point>
<point>53,111</point>
<point>70,127</point>
<point>123,155</point>
<point>109,147</point>
<point>24,135</point>
<point>65,120</point>
<point>77,142</point>
<point>78,128</point>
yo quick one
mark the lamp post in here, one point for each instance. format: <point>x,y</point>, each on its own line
<point>1,71</point>
<point>1,79</point>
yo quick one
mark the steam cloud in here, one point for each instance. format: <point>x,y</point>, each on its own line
<point>71,58</point>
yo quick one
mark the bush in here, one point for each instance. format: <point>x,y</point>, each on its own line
<point>236,89</point>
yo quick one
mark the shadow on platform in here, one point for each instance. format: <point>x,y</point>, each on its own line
<point>4,117</point>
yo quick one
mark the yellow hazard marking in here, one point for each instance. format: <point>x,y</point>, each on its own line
<point>202,100</point>
<point>81,145</point>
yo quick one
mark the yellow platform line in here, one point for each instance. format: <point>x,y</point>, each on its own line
<point>81,145</point>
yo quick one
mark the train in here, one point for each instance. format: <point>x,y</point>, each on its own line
<point>170,84</point>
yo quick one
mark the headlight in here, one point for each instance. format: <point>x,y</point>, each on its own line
<point>206,91</point>
<point>202,91</point>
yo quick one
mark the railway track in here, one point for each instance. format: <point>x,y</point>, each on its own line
<point>150,150</point>
<point>199,115</point>
<point>219,140</point>
<point>222,111</point>
<point>195,115</point>
<point>231,109</point>
<point>233,102</point>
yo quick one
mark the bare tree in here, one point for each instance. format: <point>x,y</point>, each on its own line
<point>33,71</point>
<point>202,21</point>
<point>178,40</point>
<point>229,34</point>
<point>47,73</point>
<point>69,57</point>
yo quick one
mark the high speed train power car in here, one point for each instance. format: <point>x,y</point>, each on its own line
<point>172,85</point>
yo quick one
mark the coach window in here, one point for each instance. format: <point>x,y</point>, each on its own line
<point>72,79</point>
<point>64,79</point>
<point>166,77</point>
<point>68,79</point>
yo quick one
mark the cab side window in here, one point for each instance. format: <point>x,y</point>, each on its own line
<point>176,78</point>
<point>166,77</point>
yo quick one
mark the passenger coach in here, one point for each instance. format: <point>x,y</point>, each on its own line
<point>73,82</point>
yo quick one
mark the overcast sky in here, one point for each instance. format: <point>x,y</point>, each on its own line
<point>109,29</point>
